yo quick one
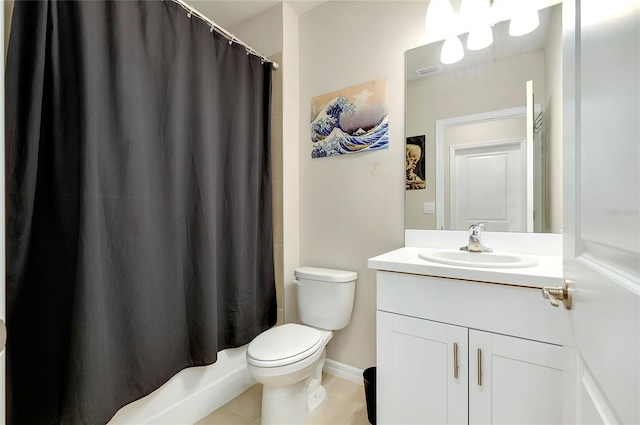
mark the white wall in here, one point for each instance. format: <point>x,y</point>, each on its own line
<point>352,207</point>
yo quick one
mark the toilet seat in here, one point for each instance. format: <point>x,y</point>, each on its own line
<point>284,345</point>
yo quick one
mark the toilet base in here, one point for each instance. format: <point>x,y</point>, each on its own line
<point>316,399</point>
<point>293,404</point>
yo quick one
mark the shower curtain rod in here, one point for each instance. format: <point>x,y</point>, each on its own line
<point>191,11</point>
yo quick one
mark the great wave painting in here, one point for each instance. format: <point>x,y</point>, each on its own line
<point>350,120</point>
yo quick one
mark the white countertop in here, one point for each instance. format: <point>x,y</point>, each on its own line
<point>548,272</point>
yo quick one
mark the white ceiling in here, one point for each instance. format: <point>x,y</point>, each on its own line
<point>228,13</point>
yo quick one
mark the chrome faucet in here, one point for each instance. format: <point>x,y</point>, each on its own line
<point>475,242</point>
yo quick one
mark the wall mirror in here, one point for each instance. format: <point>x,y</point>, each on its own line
<point>484,135</point>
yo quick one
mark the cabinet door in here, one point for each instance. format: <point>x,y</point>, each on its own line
<point>513,380</point>
<point>417,383</point>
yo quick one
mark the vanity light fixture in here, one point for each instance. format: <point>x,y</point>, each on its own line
<point>524,22</point>
<point>477,16</point>
<point>480,37</point>
<point>452,50</point>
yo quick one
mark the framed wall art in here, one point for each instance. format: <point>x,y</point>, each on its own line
<point>351,120</point>
<point>415,163</point>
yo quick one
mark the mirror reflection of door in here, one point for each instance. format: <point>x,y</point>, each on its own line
<point>487,183</point>
<point>484,176</point>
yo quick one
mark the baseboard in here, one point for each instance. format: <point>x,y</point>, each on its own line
<point>343,371</point>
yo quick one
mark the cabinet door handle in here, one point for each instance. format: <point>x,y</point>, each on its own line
<point>479,367</point>
<point>455,360</point>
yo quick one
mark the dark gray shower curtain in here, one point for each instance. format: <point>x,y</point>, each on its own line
<point>139,233</point>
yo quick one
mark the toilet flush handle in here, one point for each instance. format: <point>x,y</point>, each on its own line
<point>297,282</point>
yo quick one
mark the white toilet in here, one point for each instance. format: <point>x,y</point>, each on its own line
<point>288,359</point>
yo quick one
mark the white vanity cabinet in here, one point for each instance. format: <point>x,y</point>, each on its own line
<point>430,332</point>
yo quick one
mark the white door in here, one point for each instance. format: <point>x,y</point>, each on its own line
<point>488,183</point>
<point>601,79</point>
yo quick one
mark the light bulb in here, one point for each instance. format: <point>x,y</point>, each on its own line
<point>452,50</point>
<point>439,14</point>
<point>480,37</point>
<point>523,23</point>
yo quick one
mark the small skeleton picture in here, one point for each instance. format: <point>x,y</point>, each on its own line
<point>415,163</point>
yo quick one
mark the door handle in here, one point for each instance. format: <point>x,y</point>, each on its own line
<point>560,293</point>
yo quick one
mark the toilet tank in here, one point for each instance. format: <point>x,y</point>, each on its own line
<point>325,296</point>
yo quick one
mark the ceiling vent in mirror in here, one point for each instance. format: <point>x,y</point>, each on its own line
<point>426,71</point>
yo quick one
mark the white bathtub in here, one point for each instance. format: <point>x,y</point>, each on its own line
<point>193,393</point>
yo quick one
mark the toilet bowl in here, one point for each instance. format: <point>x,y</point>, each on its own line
<point>288,359</point>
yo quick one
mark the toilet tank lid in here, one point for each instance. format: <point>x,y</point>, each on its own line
<point>327,275</point>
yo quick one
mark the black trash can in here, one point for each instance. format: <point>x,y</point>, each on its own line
<point>369,376</point>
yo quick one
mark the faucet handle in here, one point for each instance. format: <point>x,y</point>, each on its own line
<point>476,228</point>
<point>475,242</point>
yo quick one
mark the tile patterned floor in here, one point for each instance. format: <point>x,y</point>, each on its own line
<point>345,405</point>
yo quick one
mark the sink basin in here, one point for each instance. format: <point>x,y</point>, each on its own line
<point>478,259</point>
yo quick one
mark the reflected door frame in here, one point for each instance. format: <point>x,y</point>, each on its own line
<point>503,205</point>
<point>440,128</point>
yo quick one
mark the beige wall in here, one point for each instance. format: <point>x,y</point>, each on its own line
<point>263,33</point>
<point>552,118</point>
<point>8,11</point>
<point>290,151</point>
<point>276,30</point>
<point>352,206</point>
